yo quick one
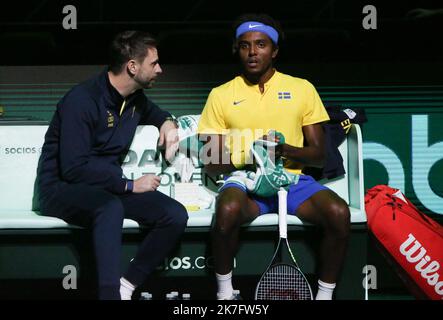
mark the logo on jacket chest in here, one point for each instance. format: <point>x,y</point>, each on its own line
<point>110,119</point>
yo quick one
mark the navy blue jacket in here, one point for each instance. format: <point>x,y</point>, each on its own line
<point>336,130</point>
<point>87,139</point>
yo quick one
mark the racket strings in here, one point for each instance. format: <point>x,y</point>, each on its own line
<point>283,282</point>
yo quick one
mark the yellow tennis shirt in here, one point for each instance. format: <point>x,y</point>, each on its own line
<point>239,110</point>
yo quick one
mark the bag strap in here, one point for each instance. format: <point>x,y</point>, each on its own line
<point>409,206</point>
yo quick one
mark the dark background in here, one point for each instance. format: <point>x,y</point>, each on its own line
<point>199,31</point>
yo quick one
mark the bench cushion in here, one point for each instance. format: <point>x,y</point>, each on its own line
<point>32,220</point>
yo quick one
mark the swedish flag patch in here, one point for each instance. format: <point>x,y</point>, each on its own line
<point>284,96</point>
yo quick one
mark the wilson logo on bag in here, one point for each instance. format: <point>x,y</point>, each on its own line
<point>415,254</point>
<point>412,239</point>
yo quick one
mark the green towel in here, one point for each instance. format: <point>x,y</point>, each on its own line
<point>270,175</point>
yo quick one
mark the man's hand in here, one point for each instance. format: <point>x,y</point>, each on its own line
<point>169,139</point>
<point>274,152</point>
<point>147,182</point>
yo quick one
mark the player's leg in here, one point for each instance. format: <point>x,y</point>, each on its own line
<point>326,209</point>
<point>167,219</point>
<point>233,208</point>
<point>101,211</point>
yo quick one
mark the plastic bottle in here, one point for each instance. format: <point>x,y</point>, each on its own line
<point>171,296</point>
<point>186,296</point>
<point>145,296</point>
<point>175,294</point>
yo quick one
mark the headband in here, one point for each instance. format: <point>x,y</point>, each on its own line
<point>257,26</point>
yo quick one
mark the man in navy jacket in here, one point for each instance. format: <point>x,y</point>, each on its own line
<point>80,175</point>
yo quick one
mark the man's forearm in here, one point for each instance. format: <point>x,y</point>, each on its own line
<point>307,156</point>
<point>107,178</point>
<point>215,155</point>
<point>217,169</point>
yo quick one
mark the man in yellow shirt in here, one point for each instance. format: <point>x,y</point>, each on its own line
<point>245,109</point>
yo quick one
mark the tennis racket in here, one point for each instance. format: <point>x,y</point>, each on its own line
<point>283,281</point>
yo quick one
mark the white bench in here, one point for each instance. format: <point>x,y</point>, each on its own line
<point>20,147</point>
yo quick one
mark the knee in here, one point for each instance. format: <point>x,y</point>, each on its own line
<point>181,215</point>
<point>338,218</point>
<point>227,216</point>
<point>176,215</point>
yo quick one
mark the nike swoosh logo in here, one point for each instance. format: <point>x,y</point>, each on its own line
<point>238,102</point>
<point>252,26</point>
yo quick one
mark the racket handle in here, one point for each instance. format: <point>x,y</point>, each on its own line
<point>282,211</point>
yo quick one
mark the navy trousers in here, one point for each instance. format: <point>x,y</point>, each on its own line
<point>103,212</point>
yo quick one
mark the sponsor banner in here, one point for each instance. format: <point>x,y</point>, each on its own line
<point>407,155</point>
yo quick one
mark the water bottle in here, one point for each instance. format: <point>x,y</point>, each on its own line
<point>172,295</point>
<point>145,296</point>
<point>236,294</point>
<point>175,294</point>
<point>186,296</point>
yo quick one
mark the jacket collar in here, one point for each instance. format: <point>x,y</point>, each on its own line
<point>112,97</point>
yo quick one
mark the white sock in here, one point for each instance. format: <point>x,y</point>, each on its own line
<point>325,290</point>
<point>126,289</point>
<point>224,283</point>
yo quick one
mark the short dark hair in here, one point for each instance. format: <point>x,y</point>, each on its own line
<point>259,17</point>
<point>129,45</point>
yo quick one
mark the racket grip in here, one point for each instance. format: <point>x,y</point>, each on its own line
<point>282,212</point>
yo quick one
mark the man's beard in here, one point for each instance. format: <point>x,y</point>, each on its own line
<point>145,84</point>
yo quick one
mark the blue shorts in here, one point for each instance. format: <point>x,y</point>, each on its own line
<point>297,194</point>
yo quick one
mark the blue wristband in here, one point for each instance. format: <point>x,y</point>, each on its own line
<point>129,186</point>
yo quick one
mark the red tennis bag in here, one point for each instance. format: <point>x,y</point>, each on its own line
<point>412,239</point>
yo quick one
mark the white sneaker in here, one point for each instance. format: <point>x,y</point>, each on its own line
<point>235,296</point>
